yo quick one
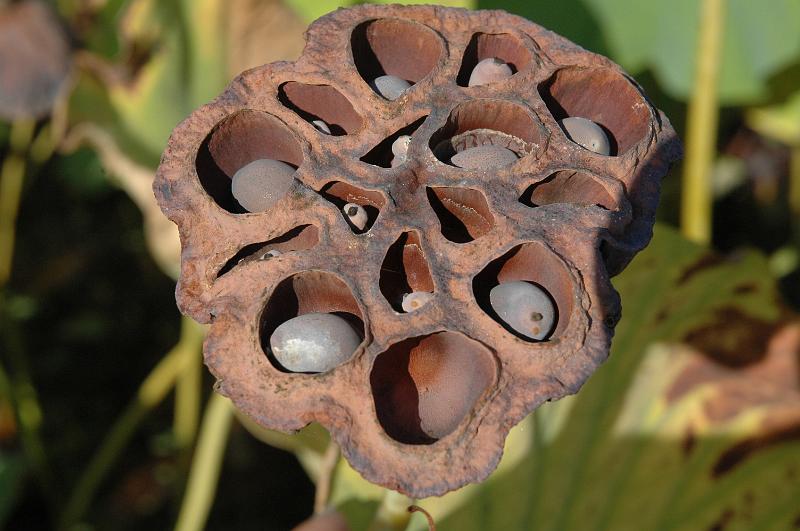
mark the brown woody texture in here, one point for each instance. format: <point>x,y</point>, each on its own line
<point>425,403</point>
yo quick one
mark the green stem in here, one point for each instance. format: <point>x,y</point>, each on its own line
<point>152,392</point>
<point>204,474</point>
<point>392,513</point>
<point>189,387</point>
<point>701,125</point>
<point>12,175</point>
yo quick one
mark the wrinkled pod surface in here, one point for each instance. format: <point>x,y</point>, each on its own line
<point>424,269</point>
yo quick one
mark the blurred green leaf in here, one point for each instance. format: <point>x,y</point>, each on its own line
<point>310,10</point>
<point>691,424</point>
<point>759,41</point>
<point>780,121</point>
<point>12,475</point>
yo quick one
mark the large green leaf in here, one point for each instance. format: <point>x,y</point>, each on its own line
<point>693,422</point>
<point>313,9</point>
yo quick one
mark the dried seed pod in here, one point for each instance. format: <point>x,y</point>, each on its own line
<point>313,342</point>
<point>424,403</point>
<point>259,185</point>
<point>415,300</point>
<point>587,134</point>
<point>484,158</point>
<point>489,70</point>
<point>356,215</point>
<point>321,126</point>
<point>390,87</point>
<point>400,150</point>
<point>524,307</point>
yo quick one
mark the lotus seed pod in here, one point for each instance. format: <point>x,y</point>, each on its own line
<point>356,214</point>
<point>484,157</point>
<point>313,342</point>
<point>526,308</point>
<point>415,300</point>
<point>488,71</point>
<point>587,134</point>
<point>426,400</point>
<point>400,150</point>
<point>321,126</point>
<point>259,185</point>
<point>390,87</point>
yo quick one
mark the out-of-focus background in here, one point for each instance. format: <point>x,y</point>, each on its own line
<point>693,423</point>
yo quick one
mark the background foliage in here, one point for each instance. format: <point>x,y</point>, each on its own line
<point>693,423</point>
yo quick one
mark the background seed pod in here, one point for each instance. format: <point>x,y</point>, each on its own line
<point>425,403</point>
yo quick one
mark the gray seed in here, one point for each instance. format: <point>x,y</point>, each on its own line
<point>400,150</point>
<point>488,71</point>
<point>272,253</point>
<point>415,300</point>
<point>321,126</point>
<point>524,307</point>
<point>484,157</point>
<point>390,87</point>
<point>587,134</point>
<point>258,186</point>
<point>314,342</point>
<point>356,214</point>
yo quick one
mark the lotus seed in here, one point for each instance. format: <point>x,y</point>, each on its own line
<point>484,157</point>
<point>488,71</point>
<point>259,185</point>
<point>400,150</point>
<point>415,300</point>
<point>356,214</point>
<point>390,87</point>
<point>272,253</point>
<point>525,307</point>
<point>314,342</point>
<point>587,134</point>
<point>321,126</point>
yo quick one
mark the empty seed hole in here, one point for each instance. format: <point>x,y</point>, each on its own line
<point>506,47</point>
<point>343,195</point>
<point>603,96</point>
<point>488,122</point>
<point>463,213</point>
<point>321,102</point>
<point>394,47</point>
<point>235,142</point>
<point>424,387</point>
<point>298,239</point>
<point>569,186</point>
<point>533,264</point>
<point>319,342</point>
<point>404,271</point>
<point>390,152</point>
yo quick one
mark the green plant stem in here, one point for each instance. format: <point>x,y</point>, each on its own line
<point>151,393</point>
<point>794,185</point>
<point>206,465</point>
<point>12,175</point>
<point>701,125</point>
<point>392,513</point>
<point>189,386</point>
<point>325,480</point>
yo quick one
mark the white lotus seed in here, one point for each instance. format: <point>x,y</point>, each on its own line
<point>390,87</point>
<point>415,300</point>
<point>488,71</point>
<point>321,126</point>
<point>484,157</point>
<point>400,150</point>
<point>525,307</point>
<point>272,253</point>
<point>356,214</point>
<point>259,185</point>
<point>313,342</point>
<point>587,134</point>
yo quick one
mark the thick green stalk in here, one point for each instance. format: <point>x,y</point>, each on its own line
<point>189,387</point>
<point>392,513</point>
<point>206,465</point>
<point>701,124</point>
<point>12,175</point>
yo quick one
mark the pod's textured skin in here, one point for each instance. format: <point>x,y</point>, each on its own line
<point>426,401</point>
